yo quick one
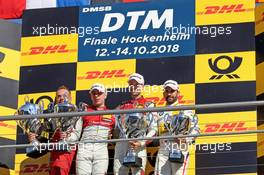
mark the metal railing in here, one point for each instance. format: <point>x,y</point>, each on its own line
<point>141,110</point>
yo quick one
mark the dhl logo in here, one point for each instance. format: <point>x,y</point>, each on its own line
<point>260,20</point>
<point>233,8</point>
<point>48,50</point>
<point>35,168</point>
<point>161,101</point>
<point>119,73</point>
<point>226,127</point>
<point>3,124</point>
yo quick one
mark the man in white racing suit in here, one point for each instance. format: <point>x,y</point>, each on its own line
<point>163,165</point>
<point>136,84</point>
<point>92,158</point>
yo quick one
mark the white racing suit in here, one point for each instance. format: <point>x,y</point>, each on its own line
<point>121,148</point>
<point>163,165</point>
<point>92,158</point>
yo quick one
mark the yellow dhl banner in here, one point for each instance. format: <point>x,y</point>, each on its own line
<point>227,122</point>
<point>7,128</point>
<point>9,63</point>
<point>155,94</point>
<point>260,79</point>
<point>260,141</point>
<point>51,49</point>
<point>224,12</point>
<point>113,74</point>
<point>259,19</point>
<point>46,97</point>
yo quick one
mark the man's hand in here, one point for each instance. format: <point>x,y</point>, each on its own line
<point>32,136</point>
<point>135,144</point>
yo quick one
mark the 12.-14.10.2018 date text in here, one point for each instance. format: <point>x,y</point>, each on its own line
<point>141,50</point>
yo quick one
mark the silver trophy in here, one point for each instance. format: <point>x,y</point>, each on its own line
<point>33,126</point>
<point>65,124</point>
<point>132,126</point>
<point>177,125</point>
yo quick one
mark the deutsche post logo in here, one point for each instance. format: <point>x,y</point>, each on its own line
<point>2,57</point>
<point>233,65</point>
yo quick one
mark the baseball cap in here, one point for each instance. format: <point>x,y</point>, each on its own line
<point>137,77</point>
<point>172,84</point>
<point>100,87</point>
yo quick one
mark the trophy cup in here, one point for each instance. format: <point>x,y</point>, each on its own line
<point>177,125</point>
<point>32,126</point>
<point>65,123</point>
<point>132,126</point>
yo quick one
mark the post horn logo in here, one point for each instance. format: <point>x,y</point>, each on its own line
<point>2,57</point>
<point>233,65</point>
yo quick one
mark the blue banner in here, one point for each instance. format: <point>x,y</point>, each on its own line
<point>137,30</point>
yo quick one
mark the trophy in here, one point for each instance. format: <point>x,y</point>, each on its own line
<point>132,126</point>
<point>65,123</point>
<point>32,126</point>
<point>177,125</point>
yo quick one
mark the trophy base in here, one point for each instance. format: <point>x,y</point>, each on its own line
<point>33,153</point>
<point>132,161</point>
<point>176,156</point>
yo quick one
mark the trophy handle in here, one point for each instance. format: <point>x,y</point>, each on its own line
<point>41,106</point>
<point>118,118</point>
<point>82,106</point>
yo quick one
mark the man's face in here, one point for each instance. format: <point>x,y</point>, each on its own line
<point>98,98</point>
<point>170,95</point>
<point>135,88</point>
<point>61,94</point>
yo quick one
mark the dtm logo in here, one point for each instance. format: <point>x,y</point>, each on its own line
<point>227,127</point>
<point>119,73</point>
<point>224,9</point>
<point>2,57</point>
<point>48,50</point>
<point>142,19</point>
<point>233,65</point>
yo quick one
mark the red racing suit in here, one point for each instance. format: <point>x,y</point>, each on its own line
<point>62,163</point>
<point>92,158</point>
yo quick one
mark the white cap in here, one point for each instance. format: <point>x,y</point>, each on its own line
<point>137,77</point>
<point>99,87</point>
<point>172,84</point>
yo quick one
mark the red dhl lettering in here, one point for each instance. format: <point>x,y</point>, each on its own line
<point>226,127</point>
<point>48,50</point>
<point>3,124</point>
<point>233,8</point>
<point>104,74</point>
<point>35,168</point>
<point>161,101</point>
